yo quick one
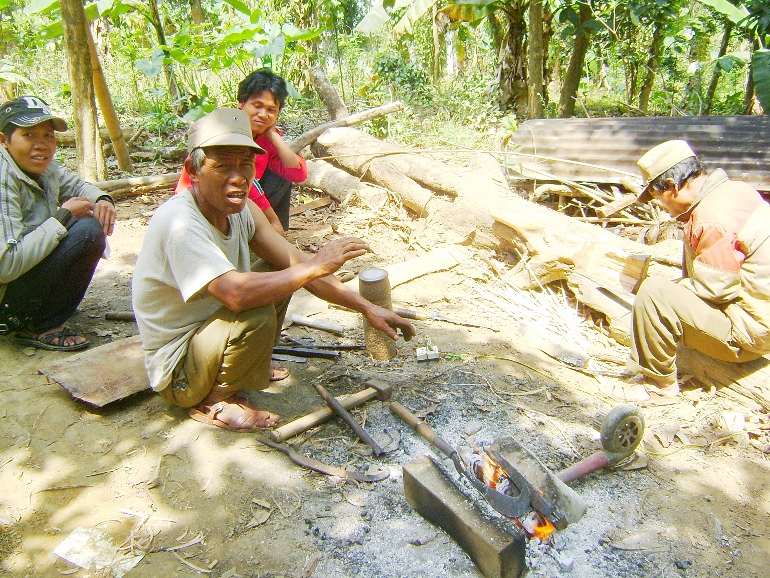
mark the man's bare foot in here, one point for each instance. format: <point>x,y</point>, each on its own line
<point>235,413</point>
<point>277,373</point>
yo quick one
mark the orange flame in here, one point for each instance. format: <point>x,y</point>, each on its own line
<point>544,529</point>
<point>488,472</point>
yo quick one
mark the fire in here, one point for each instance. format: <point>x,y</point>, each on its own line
<point>491,474</point>
<point>537,526</point>
<point>544,529</point>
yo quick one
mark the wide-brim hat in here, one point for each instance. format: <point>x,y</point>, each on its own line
<point>222,127</point>
<point>28,111</point>
<point>658,160</point>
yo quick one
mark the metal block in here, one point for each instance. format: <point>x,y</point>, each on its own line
<point>496,552</point>
<point>427,353</point>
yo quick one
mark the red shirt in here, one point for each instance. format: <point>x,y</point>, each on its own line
<point>271,161</point>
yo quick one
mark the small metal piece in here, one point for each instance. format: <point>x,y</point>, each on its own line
<point>343,413</point>
<point>291,358</point>
<point>511,506</point>
<point>427,353</point>
<point>306,352</point>
<point>322,468</point>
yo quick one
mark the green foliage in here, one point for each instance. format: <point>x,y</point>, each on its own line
<point>8,74</point>
<point>406,79</point>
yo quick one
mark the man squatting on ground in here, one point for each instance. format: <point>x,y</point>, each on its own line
<point>53,225</point>
<point>722,305</point>
<point>207,319</point>
<point>261,95</point>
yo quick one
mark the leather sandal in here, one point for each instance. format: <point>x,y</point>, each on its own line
<point>251,418</point>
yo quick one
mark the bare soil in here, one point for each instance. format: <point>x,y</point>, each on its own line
<point>196,499</point>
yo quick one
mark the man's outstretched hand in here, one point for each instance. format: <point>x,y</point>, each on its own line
<point>335,253</point>
<point>389,323</point>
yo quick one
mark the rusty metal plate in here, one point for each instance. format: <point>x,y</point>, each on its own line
<point>738,144</point>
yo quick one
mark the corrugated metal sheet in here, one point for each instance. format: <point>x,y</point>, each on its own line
<point>738,144</point>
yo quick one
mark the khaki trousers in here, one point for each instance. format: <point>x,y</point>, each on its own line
<point>229,352</point>
<point>666,314</point>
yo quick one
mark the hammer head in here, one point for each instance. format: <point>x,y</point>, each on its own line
<point>383,389</point>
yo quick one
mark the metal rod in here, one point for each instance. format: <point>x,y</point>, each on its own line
<point>343,413</point>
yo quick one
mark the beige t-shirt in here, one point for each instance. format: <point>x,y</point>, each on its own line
<point>181,254</point>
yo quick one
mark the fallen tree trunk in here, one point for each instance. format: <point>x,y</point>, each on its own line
<point>338,184</point>
<point>310,136</point>
<point>355,150</point>
<point>457,202</point>
<point>121,188</point>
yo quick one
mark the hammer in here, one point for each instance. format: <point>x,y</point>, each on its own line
<point>376,389</point>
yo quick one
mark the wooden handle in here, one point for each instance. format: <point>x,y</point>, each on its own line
<point>318,324</point>
<point>421,428</point>
<point>409,314</point>
<point>319,416</point>
<point>120,316</point>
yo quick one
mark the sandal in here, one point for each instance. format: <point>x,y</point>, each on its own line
<point>277,373</point>
<point>640,389</point>
<point>46,340</point>
<point>250,418</point>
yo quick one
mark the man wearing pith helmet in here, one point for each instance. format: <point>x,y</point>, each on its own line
<point>721,306</point>
<point>208,319</point>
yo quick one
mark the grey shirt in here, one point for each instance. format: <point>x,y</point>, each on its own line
<point>27,208</point>
<point>181,254</point>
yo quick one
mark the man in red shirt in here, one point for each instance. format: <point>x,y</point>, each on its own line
<point>261,95</point>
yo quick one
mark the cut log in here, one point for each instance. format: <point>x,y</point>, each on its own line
<point>328,94</point>
<point>354,150</point>
<point>338,184</point>
<point>457,202</point>
<point>121,188</point>
<point>309,137</point>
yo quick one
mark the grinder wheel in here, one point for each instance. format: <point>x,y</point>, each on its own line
<point>622,429</point>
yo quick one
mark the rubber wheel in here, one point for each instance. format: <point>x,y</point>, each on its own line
<point>622,429</point>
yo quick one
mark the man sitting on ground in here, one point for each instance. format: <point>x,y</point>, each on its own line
<point>262,95</point>
<point>722,305</point>
<point>207,319</point>
<point>53,225</point>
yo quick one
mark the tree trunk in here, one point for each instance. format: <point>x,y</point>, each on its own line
<point>512,68</point>
<point>328,94</point>
<point>651,66</point>
<point>168,70</point>
<point>712,89</point>
<point>575,67</point>
<point>196,12</point>
<point>535,59</point>
<point>748,98</point>
<point>89,151</point>
<point>108,110</point>
<point>436,49</point>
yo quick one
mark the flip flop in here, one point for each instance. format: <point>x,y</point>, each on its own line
<point>640,390</point>
<point>247,422</point>
<point>45,340</point>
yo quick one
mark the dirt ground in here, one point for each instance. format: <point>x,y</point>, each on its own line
<point>194,499</point>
